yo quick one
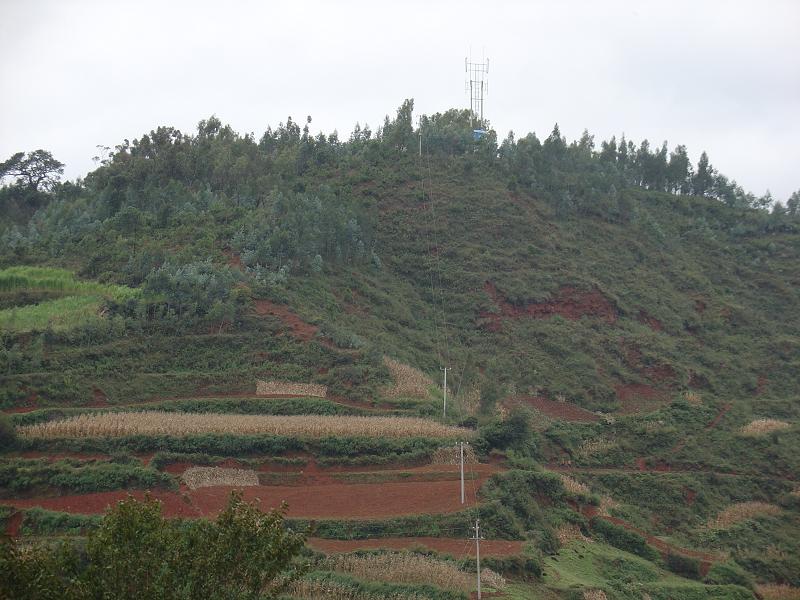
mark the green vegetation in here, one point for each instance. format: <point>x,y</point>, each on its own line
<point>135,552</point>
<point>21,477</point>
<point>614,277</point>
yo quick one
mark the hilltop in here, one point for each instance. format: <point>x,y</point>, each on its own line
<point>619,327</point>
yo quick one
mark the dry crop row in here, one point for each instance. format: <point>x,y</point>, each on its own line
<point>119,424</point>
<point>284,388</point>
<point>197,477</point>
<point>451,455</point>
<point>743,511</point>
<point>763,427</point>
<point>775,591</point>
<point>408,381</point>
<point>402,568</point>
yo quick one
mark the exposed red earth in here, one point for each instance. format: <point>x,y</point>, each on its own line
<point>638,397</point>
<point>568,302</point>
<point>325,498</point>
<point>650,321</point>
<point>457,547</point>
<point>14,524</point>
<point>559,410</point>
<point>300,329</point>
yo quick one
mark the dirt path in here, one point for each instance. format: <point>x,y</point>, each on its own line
<point>711,425</point>
<point>705,559</point>
<point>457,547</point>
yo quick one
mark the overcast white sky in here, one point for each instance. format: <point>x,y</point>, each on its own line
<point>721,76</point>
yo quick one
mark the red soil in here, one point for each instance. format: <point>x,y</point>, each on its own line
<point>700,306</point>
<point>459,548</point>
<point>690,496</point>
<point>332,500</point>
<point>560,410</point>
<point>31,404</point>
<point>715,421</point>
<point>19,410</point>
<point>234,260</point>
<point>14,524</point>
<point>568,302</point>
<point>761,385</point>
<point>650,321</point>
<point>300,329</point>
<point>633,395</point>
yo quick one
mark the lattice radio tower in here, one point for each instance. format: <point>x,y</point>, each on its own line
<point>477,86</point>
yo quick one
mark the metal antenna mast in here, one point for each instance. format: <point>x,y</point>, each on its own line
<point>477,86</point>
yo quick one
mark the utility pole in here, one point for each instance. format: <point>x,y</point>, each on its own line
<point>444,405</point>
<point>420,144</point>
<point>478,553</point>
<point>462,472</point>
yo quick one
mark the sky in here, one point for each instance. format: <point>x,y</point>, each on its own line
<point>720,76</point>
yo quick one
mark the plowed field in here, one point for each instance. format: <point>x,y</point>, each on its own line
<point>329,501</point>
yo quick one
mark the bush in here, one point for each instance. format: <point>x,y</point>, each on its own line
<point>683,565</point>
<point>8,435</point>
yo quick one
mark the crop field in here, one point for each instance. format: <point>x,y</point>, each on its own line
<point>79,301</point>
<point>166,423</point>
<point>407,381</point>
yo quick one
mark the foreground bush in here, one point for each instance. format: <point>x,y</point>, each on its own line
<point>137,553</point>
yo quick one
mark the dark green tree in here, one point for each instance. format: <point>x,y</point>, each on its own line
<point>36,170</point>
<point>703,180</point>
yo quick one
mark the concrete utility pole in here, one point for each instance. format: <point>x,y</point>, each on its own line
<point>478,553</point>
<point>444,406</point>
<point>462,472</point>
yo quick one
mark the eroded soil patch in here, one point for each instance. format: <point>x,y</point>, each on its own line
<point>569,302</point>
<point>559,410</point>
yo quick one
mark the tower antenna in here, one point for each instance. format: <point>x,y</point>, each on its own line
<point>477,86</point>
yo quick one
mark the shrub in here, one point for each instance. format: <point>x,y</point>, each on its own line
<point>8,435</point>
<point>683,565</point>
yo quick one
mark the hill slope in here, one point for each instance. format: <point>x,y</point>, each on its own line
<point>643,334</point>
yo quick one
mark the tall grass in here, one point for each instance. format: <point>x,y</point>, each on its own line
<point>119,424</point>
<point>59,315</point>
<point>60,280</point>
<point>80,303</point>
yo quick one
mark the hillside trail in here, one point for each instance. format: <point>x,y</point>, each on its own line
<point>705,559</point>
<point>711,425</point>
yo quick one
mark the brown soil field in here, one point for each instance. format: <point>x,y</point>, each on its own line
<point>459,548</point>
<point>332,500</point>
<point>636,398</point>
<point>560,410</point>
